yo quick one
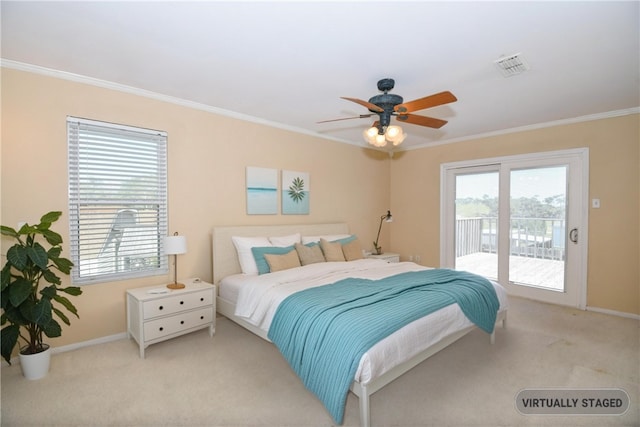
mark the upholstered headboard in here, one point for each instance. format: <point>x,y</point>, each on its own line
<point>225,257</point>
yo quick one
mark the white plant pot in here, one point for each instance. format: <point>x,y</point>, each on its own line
<point>36,366</point>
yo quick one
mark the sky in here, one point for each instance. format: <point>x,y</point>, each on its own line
<point>541,182</point>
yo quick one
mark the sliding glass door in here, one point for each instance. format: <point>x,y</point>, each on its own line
<point>519,220</point>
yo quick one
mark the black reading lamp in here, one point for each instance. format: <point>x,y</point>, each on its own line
<point>384,218</point>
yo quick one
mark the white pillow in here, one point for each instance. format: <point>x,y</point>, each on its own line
<point>245,256</point>
<point>329,237</point>
<point>284,241</point>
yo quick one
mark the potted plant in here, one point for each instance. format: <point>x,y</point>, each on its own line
<point>29,288</point>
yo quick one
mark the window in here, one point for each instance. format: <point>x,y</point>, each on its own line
<point>117,201</point>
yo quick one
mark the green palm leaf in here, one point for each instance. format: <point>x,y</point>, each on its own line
<point>296,189</point>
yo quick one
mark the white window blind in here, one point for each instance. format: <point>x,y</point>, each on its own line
<point>117,201</point>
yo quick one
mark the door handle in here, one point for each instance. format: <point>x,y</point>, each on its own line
<point>573,235</point>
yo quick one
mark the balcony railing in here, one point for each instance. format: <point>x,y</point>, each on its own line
<point>530,237</point>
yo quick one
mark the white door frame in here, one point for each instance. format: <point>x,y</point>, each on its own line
<point>447,241</point>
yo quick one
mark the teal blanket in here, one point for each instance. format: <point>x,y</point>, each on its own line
<point>324,331</point>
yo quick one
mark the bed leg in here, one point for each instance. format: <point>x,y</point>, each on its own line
<point>364,406</point>
<point>504,325</point>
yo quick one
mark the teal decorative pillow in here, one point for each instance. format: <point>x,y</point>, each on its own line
<point>346,240</point>
<point>329,237</point>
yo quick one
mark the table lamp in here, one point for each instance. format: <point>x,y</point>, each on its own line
<point>175,245</point>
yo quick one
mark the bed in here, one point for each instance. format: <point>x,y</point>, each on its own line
<point>251,300</point>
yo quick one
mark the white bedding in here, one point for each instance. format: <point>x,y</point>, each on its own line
<point>258,296</point>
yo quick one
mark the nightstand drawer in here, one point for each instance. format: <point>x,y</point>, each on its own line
<point>176,303</point>
<point>180,322</point>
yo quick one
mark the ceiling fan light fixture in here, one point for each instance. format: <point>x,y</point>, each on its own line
<point>388,105</point>
<point>393,134</point>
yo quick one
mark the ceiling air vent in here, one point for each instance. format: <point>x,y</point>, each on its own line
<point>511,65</point>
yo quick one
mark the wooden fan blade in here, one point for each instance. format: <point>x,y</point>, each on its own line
<point>361,116</point>
<point>421,120</point>
<point>370,106</point>
<point>426,102</point>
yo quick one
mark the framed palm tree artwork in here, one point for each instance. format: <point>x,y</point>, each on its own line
<point>295,193</point>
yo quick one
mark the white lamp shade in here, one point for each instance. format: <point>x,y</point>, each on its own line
<point>393,132</point>
<point>395,135</point>
<point>398,140</point>
<point>175,245</point>
<point>371,133</point>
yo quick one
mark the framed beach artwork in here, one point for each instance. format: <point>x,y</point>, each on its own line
<point>295,193</point>
<point>262,191</point>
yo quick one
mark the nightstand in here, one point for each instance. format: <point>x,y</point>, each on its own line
<point>156,313</point>
<point>387,256</point>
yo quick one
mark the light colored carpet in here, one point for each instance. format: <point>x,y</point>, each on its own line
<point>237,379</point>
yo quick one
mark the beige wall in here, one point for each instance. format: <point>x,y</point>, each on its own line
<point>208,156</point>
<point>613,277</point>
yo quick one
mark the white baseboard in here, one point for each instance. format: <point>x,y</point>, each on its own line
<point>614,312</point>
<point>102,340</point>
<point>76,346</point>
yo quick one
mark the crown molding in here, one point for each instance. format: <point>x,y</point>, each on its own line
<point>78,78</point>
<point>580,119</point>
<point>21,66</point>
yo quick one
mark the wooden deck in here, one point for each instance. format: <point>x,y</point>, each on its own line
<point>538,272</point>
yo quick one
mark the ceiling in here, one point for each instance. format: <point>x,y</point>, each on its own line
<point>288,63</point>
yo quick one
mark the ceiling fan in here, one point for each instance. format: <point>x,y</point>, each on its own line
<point>387,105</point>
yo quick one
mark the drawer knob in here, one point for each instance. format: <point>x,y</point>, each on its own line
<point>201,299</point>
<point>161,328</point>
<point>182,322</point>
<point>160,308</point>
<point>181,302</point>
<point>201,317</point>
